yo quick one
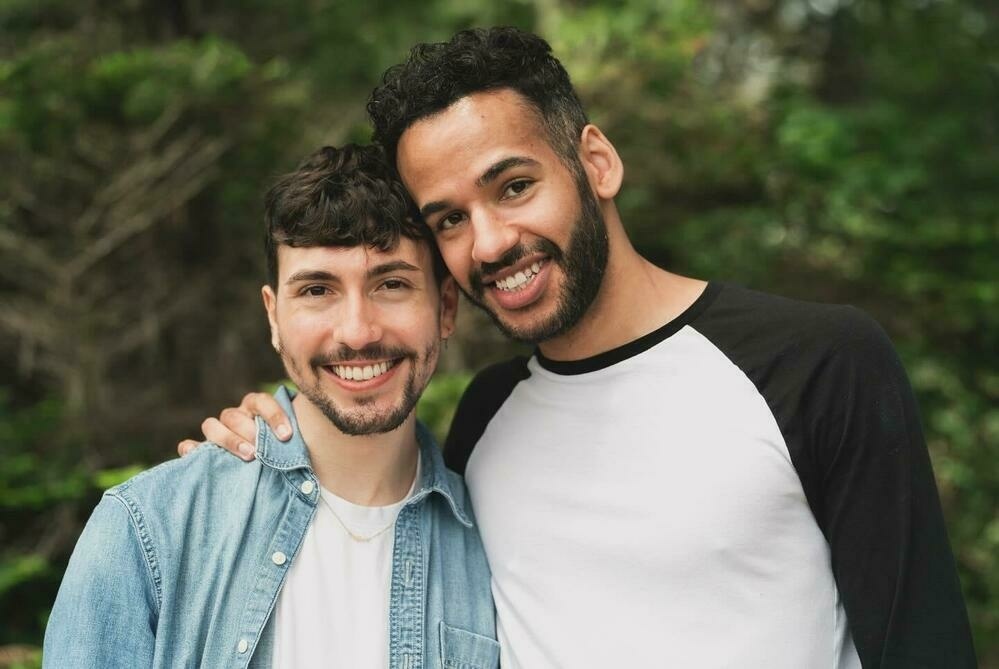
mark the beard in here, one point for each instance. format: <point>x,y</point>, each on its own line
<point>365,417</point>
<point>583,264</point>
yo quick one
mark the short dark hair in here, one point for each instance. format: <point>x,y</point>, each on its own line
<point>438,74</point>
<point>348,196</point>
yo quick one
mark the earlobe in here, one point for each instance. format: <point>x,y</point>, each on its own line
<point>602,163</point>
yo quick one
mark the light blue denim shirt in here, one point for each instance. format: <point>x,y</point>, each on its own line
<point>181,566</point>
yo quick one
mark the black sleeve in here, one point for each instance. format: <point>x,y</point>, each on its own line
<point>480,402</point>
<point>867,472</point>
<point>841,398</point>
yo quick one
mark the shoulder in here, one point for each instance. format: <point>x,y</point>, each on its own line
<point>497,378</point>
<point>164,501</point>
<point>188,476</point>
<point>486,393</point>
<point>759,330</point>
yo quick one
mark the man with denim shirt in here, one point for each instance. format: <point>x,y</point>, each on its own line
<point>347,545</point>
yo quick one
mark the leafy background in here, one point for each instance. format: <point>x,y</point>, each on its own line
<point>838,150</point>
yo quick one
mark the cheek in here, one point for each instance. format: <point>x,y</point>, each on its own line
<point>558,215</point>
<point>413,327</point>
<point>457,254</point>
<point>303,330</point>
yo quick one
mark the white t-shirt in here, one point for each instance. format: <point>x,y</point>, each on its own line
<point>333,609</point>
<point>642,508</point>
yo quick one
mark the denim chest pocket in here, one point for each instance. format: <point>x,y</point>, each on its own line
<point>461,649</point>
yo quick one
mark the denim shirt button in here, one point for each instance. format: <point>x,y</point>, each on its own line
<point>243,645</point>
<point>279,558</point>
<point>307,487</point>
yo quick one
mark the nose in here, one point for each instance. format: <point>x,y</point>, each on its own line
<point>359,324</point>
<point>494,236</point>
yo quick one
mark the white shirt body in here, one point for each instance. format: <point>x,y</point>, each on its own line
<point>333,610</point>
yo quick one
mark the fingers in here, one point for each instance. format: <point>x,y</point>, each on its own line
<point>232,435</point>
<point>235,430</point>
<point>265,406</point>
<point>185,447</point>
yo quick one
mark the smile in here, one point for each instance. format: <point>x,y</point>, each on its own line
<point>517,282</point>
<point>362,372</point>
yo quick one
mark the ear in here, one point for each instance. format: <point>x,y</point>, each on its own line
<point>270,304</point>
<point>449,306</point>
<point>600,160</point>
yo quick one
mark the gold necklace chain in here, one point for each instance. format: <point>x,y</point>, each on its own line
<point>353,535</point>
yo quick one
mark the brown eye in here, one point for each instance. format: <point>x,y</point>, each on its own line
<point>517,187</point>
<point>450,221</point>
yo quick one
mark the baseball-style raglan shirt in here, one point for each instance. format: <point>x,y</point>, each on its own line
<point>747,486</point>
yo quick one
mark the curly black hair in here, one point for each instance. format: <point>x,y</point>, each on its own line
<point>346,197</point>
<point>436,75</point>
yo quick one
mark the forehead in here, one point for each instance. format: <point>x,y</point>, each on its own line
<point>463,140</point>
<point>351,261</point>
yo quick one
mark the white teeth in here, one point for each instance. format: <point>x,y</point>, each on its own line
<point>356,373</point>
<point>520,279</point>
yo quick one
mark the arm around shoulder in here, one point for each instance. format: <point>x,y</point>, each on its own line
<point>106,611</point>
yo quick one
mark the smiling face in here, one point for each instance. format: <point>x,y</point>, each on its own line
<point>359,329</point>
<point>521,232</point>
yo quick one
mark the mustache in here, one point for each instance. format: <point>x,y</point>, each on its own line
<point>369,352</point>
<point>511,257</point>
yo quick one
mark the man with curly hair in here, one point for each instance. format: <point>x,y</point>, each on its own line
<point>684,473</point>
<point>349,544</point>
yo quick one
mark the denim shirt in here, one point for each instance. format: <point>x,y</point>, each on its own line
<point>181,566</point>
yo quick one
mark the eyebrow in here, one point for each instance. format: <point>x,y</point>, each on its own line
<point>484,179</point>
<point>502,166</point>
<point>393,266</point>
<point>311,275</point>
<point>377,270</point>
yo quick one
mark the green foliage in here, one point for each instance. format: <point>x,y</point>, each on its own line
<point>44,488</point>
<point>34,483</point>
<point>20,569</point>
<point>109,478</point>
<point>439,400</point>
<point>22,658</point>
<point>141,83</point>
<point>27,481</point>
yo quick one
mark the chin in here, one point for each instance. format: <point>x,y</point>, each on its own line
<point>362,425</point>
<point>534,330</point>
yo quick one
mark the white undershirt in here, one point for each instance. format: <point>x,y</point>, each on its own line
<point>333,610</point>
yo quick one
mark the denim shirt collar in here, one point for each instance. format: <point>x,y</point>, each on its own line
<point>293,454</point>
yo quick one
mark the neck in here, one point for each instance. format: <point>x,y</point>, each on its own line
<point>635,298</point>
<point>369,470</point>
